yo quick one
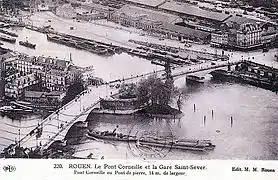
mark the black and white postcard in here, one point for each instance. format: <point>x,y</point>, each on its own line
<point>142,80</point>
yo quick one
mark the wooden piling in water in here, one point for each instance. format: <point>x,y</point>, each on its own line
<point>194,107</point>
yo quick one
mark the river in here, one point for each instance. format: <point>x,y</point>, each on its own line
<point>105,67</point>
<point>253,134</point>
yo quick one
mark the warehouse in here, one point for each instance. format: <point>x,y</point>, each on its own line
<point>146,3</point>
<point>183,33</point>
<point>191,12</point>
<point>141,18</point>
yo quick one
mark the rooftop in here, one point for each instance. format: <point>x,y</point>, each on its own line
<point>24,79</point>
<point>241,20</point>
<point>134,11</point>
<point>185,30</point>
<point>53,61</point>
<point>189,9</point>
<point>38,94</point>
<point>56,72</point>
<point>152,3</point>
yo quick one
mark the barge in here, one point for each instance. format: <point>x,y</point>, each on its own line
<point>106,135</point>
<point>8,33</point>
<point>7,39</point>
<point>182,144</point>
<point>246,78</point>
<point>27,44</point>
<point>80,44</point>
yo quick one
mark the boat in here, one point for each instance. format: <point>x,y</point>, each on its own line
<point>197,145</point>
<point>194,79</point>
<point>7,39</point>
<point>27,44</point>
<point>79,44</point>
<point>110,136</point>
<point>8,33</point>
<point>165,142</point>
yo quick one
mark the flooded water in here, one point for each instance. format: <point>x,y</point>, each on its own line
<point>252,135</point>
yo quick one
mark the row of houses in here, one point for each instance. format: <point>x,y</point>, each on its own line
<point>43,74</point>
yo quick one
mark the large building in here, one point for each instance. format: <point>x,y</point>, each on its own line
<point>156,22</point>
<point>141,18</point>
<point>242,33</point>
<point>248,35</point>
<point>50,63</point>
<point>269,35</point>
<point>193,13</point>
<point>146,3</point>
<point>16,88</point>
<point>53,80</point>
<point>181,33</point>
<point>20,63</point>
<point>24,73</point>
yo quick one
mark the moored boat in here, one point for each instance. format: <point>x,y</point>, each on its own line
<point>195,79</point>
<point>7,39</point>
<point>8,33</point>
<point>194,145</point>
<point>166,142</point>
<point>27,44</point>
<point>110,136</point>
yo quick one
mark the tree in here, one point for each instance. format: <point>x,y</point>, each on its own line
<point>127,91</point>
<point>154,91</point>
<point>73,90</point>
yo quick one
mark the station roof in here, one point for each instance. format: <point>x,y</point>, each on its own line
<point>241,20</point>
<point>135,11</point>
<point>188,9</point>
<point>152,3</point>
<point>185,30</point>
